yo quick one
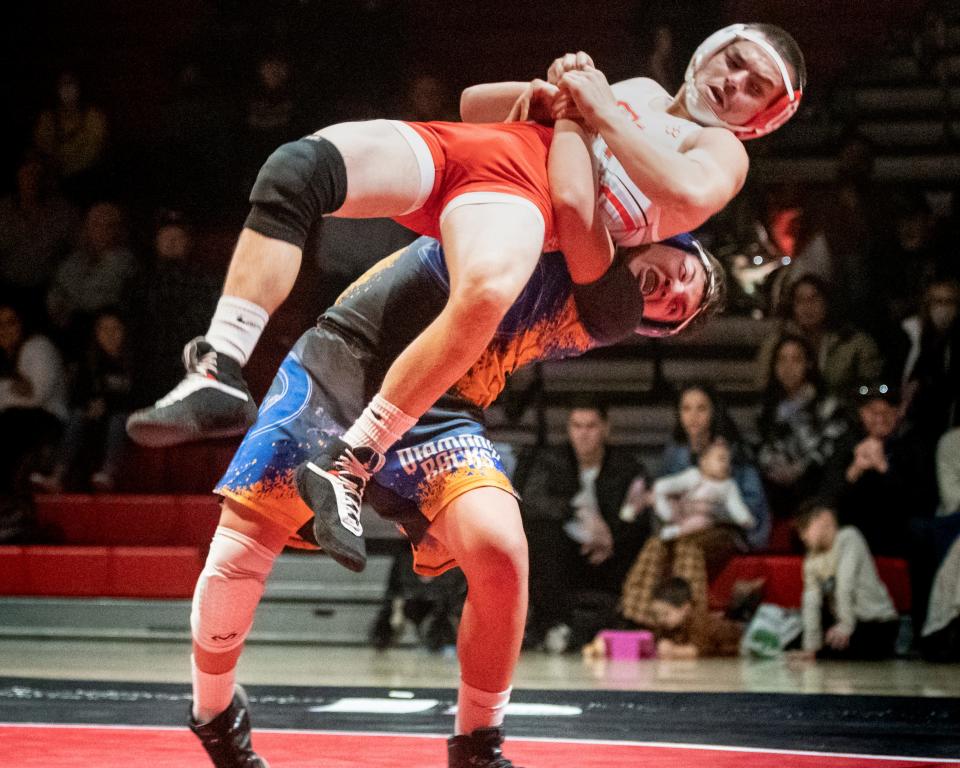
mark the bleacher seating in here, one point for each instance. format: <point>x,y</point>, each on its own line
<point>783,575</point>
<point>138,547</point>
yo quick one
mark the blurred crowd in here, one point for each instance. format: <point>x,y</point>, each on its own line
<point>103,278</point>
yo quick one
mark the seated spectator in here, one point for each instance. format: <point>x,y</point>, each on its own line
<point>877,478</point>
<point>73,135</point>
<point>940,641</point>
<point>932,372</point>
<point>170,302</point>
<point>704,500</point>
<point>99,408</point>
<point>799,426</point>
<point>37,229</point>
<point>33,397</point>
<point>580,546</point>
<point>686,631</point>
<point>930,537</point>
<point>95,275</point>
<point>904,263</point>
<point>948,472</point>
<point>845,356</point>
<point>702,530</point>
<point>847,610</point>
<point>432,604</point>
<point>661,64</point>
<point>269,118</point>
<point>701,418</point>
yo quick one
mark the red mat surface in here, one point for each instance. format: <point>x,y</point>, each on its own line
<point>131,747</point>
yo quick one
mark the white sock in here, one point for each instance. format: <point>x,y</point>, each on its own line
<point>380,425</point>
<point>479,709</point>
<point>212,694</point>
<point>236,327</point>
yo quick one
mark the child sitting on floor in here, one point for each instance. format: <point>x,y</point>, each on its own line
<point>842,592</point>
<point>683,632</point>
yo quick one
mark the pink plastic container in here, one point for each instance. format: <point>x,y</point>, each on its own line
<point>629,644</point>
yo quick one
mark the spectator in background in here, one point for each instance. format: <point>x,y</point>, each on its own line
<point>579,542</point>
<point>847,610</point>
<point>701,419</point>
<point>95,275</point>
<point>948,472</point>
<point>845,356</point>
<point>940,640</point>
<point>662,63</point>
<point>427,97</point>
<point>931,536</point>
<point>792,234</point>
<point>685,630</point>
<point>194,155</point>
<point>932,371</point>
<point>705,498</point>
<point>854,214</point>
<point>799,426</point>
<point>703,521</point>
<point>37,229</point>
<point>433,604</point>
<point>72,134</point>
<point>877,479</point>
<point>269,115</point>
<point>100,403</point>
<point>905,262</point>
<point>169,300</point>
<point>33,397</point>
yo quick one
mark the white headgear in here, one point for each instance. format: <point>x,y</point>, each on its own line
<point>766,120</point>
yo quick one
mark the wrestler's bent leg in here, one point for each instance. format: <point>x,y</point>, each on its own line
<point>491,251</point>
<point>360,170</point>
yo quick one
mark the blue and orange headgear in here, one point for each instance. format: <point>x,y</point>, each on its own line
<point>714,289</point>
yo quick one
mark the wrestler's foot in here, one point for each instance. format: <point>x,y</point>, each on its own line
<point>227,737</point>
<point>211,401</point>
<point>332,484</point>
<point>480,749</point>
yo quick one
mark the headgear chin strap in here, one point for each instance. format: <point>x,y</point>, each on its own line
<point>764,122</point>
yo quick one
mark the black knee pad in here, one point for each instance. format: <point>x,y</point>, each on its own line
<point>299,182</point>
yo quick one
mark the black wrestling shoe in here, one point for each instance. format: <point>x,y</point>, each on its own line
<point>211,401</point>
<point>331,484</point>
<point>481,749</point>
<point>227,737</point>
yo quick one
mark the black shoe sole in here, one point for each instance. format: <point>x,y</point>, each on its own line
<point>167,435</point>
<point>324,533</point>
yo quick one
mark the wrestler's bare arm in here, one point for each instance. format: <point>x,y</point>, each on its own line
<point>583,239</point>
<point>693,183</point>
<point>489,102</point>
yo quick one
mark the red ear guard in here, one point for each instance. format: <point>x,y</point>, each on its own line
<point>776,114</point>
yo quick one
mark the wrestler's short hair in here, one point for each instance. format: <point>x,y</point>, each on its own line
<point>714,299</point>
<point>784,44</point>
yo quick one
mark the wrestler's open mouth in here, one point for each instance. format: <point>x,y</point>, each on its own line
<point>716,95</point>
<point>649,282</point>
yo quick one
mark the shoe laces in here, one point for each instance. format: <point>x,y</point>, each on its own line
<point>198,365</point>
<point>353,475</point>
<point>194,362</point>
